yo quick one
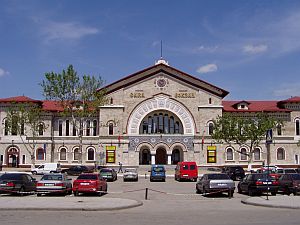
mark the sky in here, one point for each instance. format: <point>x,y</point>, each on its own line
<point>249,48</point>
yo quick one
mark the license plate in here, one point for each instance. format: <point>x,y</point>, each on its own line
<point>185,175</point>
<point>84,184</point>
<point>267,182</point>
<point>221,184</point>
<point>2,184</point>
<point>49,184</point>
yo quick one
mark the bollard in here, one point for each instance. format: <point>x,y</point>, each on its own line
<point>229,194</point>
<point>145,175</point>
<point>146,194</point>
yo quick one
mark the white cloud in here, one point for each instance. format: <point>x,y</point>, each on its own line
<point>288,90</point>
<point>255,49</point>
<point>209,49</point>
<point>3,72</point>
<point>66,31</point>
<point>207,68</point>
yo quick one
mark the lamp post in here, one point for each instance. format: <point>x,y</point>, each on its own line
<point>269,139</point>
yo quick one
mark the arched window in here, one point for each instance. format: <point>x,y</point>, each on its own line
<point>95,124</point>
<point>209,101</point>
<point>229,154</point>
<point>243,154</point>
<point>88,126</point>
<point>280,154</point>
<point>63,154</point>
<point>40,154</point>
<point>210,128</point>
<point>111,101</point>
<point>91,154</point>
<point>76,154</point>
<point>256,154</point>
<point>41,129</point>
<point>111,129</point>
<point>297,127</point>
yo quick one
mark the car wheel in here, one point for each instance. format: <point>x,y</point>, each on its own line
<point>100,192</point>
<point>295,193</point>
<point>198,191</point>
<point>75,193</point>
<point>251,192</point>
<point>21,191</point>
<point>204,191</point>
<point>230,193</point>
<point>38,195</point>
<point>287,191</point>
<point>239,190</point>
<point>273,193</point>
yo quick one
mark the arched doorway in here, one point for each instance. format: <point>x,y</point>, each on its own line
<point>12,157</point>
<point>177,156</point>
<point>145,157</point>
<point>161,156</point>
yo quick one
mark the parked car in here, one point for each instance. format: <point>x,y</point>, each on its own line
<point>257,183</point>
<point>17,183</point>
<point>215,182</point>
<point>77,170</point>
<point>47,168</point>
<point>286,170</point>
<point>54,184</point>
<point>157,172</point>
<point>234,172</point>
<point>108,174</point>
<point>130,174</point>
<point>289,183</point>
<point>89,183</point>
<point>186,171</point>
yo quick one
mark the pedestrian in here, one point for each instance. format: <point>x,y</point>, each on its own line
<point>120,168</point>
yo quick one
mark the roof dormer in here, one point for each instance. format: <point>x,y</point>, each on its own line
<point>242,105</point>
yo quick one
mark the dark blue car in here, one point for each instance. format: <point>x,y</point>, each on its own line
<point>158,172</point>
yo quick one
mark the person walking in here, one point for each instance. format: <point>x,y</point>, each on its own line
<point>120,168</point>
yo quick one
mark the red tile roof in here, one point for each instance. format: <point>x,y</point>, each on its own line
<point>254,106</point>
<point>19,99</point>
<point>52,106</point>
<point>295,99</point>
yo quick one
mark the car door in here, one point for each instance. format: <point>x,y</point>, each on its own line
<point>29,182</point>
<point>244,183</point>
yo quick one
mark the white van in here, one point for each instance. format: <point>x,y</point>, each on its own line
<point>47,168</point>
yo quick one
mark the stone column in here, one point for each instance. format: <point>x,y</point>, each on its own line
<point>152,159</point>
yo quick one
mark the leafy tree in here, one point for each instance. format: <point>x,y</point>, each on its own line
<point>248,131</point>
<point>78,96</point>
<point>25,120</point>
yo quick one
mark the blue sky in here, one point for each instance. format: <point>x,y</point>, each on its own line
<point>249,48</point>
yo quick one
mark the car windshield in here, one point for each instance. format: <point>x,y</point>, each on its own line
<point>87,177</point>
<point>130,170</point>
<point>218,177</point>
<point>262,176</point>
<point>158,169</point>
<point>105,171</point>
<point>11,176</point>
<point>290,171</point>
<point>52,177</point>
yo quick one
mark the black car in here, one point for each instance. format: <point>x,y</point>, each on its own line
<point>257,183</point>
<point>289,183</point>
<point>77,170</point>
<point>234,172</point>
<point>108,174</point>
<point>17,183</point>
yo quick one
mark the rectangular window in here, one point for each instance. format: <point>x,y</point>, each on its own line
<point>23,159</point>
<point>95,128</point>
<point>1,158</point>
<point>297,127</point>
<point>211,154</point>
<point>67,127</point>
<point>110,154</point>
<point>59,128</point>
<point>74,130</point>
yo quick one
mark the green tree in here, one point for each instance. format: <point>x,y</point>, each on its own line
<point>25,120</point>
<point>79,97</point>
<point>248,131</point>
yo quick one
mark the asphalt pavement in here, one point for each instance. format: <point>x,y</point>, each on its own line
<point>278,201</point>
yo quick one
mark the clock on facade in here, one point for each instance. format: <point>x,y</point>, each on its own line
<point>161,82</point>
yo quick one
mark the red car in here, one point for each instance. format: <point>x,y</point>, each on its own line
<point>186,171</point>
<point>89,183</point>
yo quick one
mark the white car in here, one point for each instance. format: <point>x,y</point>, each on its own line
<point>130,174</point>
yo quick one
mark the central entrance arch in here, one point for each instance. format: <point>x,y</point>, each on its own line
<point>161,156</point>
<point>13,157</point>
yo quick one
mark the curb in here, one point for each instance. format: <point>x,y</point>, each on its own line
<point>244,201</point>
<point>95,208</point>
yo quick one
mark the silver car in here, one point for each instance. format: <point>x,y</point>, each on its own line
<point>215,183</point>
<point>130,174</point>
<point>54,184</point>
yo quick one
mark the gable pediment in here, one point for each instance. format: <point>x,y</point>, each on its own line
<point>159,71</point>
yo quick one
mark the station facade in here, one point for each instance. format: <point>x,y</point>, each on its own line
<point>159,115</point>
